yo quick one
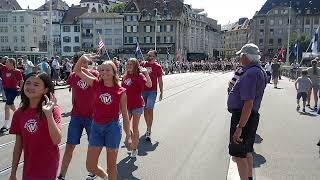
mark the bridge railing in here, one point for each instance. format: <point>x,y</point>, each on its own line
<point>291,73</point>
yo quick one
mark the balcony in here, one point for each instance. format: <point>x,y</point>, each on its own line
<point>87,35</point>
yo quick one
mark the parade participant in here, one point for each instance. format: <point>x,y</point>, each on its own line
<point>314,74</point>
<point>150,94</point>
<point>81,115</point>
<point>37,126</point>
<point>12,82</point>
<point>109,99</point>
<point>244,103</point>
<point>303,84</point>
<point>134,81</point>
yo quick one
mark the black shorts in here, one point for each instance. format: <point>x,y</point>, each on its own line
<point>302,95</point>
<point>248,133</point>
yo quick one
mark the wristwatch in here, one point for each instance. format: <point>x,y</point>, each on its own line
<point>238,126</point>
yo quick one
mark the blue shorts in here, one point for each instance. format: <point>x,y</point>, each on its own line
<point>75,129</point>
<point>106,135</point>
<point>11,95</point>
<point>149,99</point>
<point>137,111</point>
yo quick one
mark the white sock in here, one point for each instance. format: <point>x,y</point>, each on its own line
<point>6,124</point>
<point>105,178</point>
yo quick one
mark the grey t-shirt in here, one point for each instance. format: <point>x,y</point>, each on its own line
<point>303,84</point>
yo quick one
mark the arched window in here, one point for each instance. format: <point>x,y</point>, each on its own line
<point>93,10</point>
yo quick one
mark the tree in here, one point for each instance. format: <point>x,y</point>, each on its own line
<point>117,8</point>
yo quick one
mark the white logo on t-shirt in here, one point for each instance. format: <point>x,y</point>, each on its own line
<point>128,82</point>
<point>106,98</point>
<point>149,69</point>
<point>82,84</point>
<point>31,125</point>
<point>8,74</point>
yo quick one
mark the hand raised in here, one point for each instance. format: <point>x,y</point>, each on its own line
<point>48,104</point>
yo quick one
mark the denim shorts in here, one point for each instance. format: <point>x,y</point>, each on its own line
<point>106,135</point>
<point>137,111</point>
<point>75,129</point>
<point>302,95</point>
<point>149,99</point>
<point>11,95</point>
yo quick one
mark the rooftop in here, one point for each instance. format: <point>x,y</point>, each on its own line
<point>300,6</point>
<point>9,5</point>
<point>56,5</point>
<point>70,17</point>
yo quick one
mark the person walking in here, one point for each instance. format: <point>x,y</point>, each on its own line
<point>12,83</point>
<point>2,60</point>
<point>44,66</point>
<point>303,84</point>
<point>56,70</point>
<point>244,102</point>
<point>150,94</point>
<point>268,68</point>
<point>106,130</point>
<point>314,74</point>
<point>135,79</point>
<point>27,65</point>
<point>81,115</point>
<point>275,72</point>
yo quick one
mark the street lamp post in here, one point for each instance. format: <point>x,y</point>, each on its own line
<point>289,31</point>
<point>155,29</point>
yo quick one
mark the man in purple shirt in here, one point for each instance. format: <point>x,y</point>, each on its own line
<point>244,103</point>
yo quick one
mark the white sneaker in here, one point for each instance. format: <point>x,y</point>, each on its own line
<point>91,176</point>
<point>134,153</point>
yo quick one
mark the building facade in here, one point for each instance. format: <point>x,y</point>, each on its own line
<point>108,26</point>
<point>95,6</point>
<point>270,24</point>
<point>19,30</point>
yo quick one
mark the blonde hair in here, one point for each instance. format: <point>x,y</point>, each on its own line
<point>116,79</point>
<point>136,65</point>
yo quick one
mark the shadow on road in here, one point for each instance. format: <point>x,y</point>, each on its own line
<point>258,160</point>
<point>308,114</point>
<point>68,114</point>
<point>258,139</point>
<point>145,146</point>
<point>125,169</point>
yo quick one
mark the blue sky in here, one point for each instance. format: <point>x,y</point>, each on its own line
<point>222,10</point>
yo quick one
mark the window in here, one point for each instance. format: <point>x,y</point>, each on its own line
<point>128,18</point>
<point>76,49</point>
<point>34,20</point>
<point>118,42</point>
<point>134,29</point>
<point>270,42</point>
<point>147,39</point>
<point>66,49</point>
<point>271,22</point>
<point>279,41</point>
<point>260,42</point>
<point>272,31</point>
<point>23,48</point>
<point>99,31</point>
<point>66,28</point>
<point>16,48</point>
<point>34,29</point>
<point>76,28</point>
<point>108,31</point>
<point>172,28</point>
<point>14,28</point>
<point>15,39</point>
<point>117,21</point>
<point>108,21</point>
<point>98,21</point>
<point>35,39</point>
<point>261,32</point>
<point>66,39</point>
<point>307,21</point>
<point>316,21</point>
<point>76,39</point>
<point>158,29</point>
<point>147,29</point>
<point>14,19</point>
<point>168,28</point>
<point>22,39</point>
<point>280,22</point>
<point>3,19</point>
<point>134,18</point>
<point>135,39</point>
<point>158,39</point>
<point>128,29</point>
<point>117,31</point>
<point>261,21</point>
<point>307,30</point>
<point>109,41</point>
<point>192,30</point>
<point>280,31</point>
<point>4,38</point>
<point>276,11</point>
<point>21,19</point>
<point>130,40</point>
<point>22,28</point>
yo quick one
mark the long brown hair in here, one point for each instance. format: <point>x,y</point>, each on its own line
<point>136,69</point>
<point>116,79</point>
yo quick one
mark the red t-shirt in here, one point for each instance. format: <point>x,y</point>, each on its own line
<point>155,72</point>
<point>106,102</point>
<point>134,85</point>
<point>41,156</point>
<point>82,96</point>
<point>10,78</point>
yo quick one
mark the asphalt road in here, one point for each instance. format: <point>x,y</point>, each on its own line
<point>190,136</point>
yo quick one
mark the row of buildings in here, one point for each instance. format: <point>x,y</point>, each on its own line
<point>169,26</point>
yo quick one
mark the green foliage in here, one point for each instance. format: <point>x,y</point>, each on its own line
<point>117,8</point>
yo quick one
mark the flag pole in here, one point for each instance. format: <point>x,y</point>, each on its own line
<point>140,50</point>
<point>108,54</point>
